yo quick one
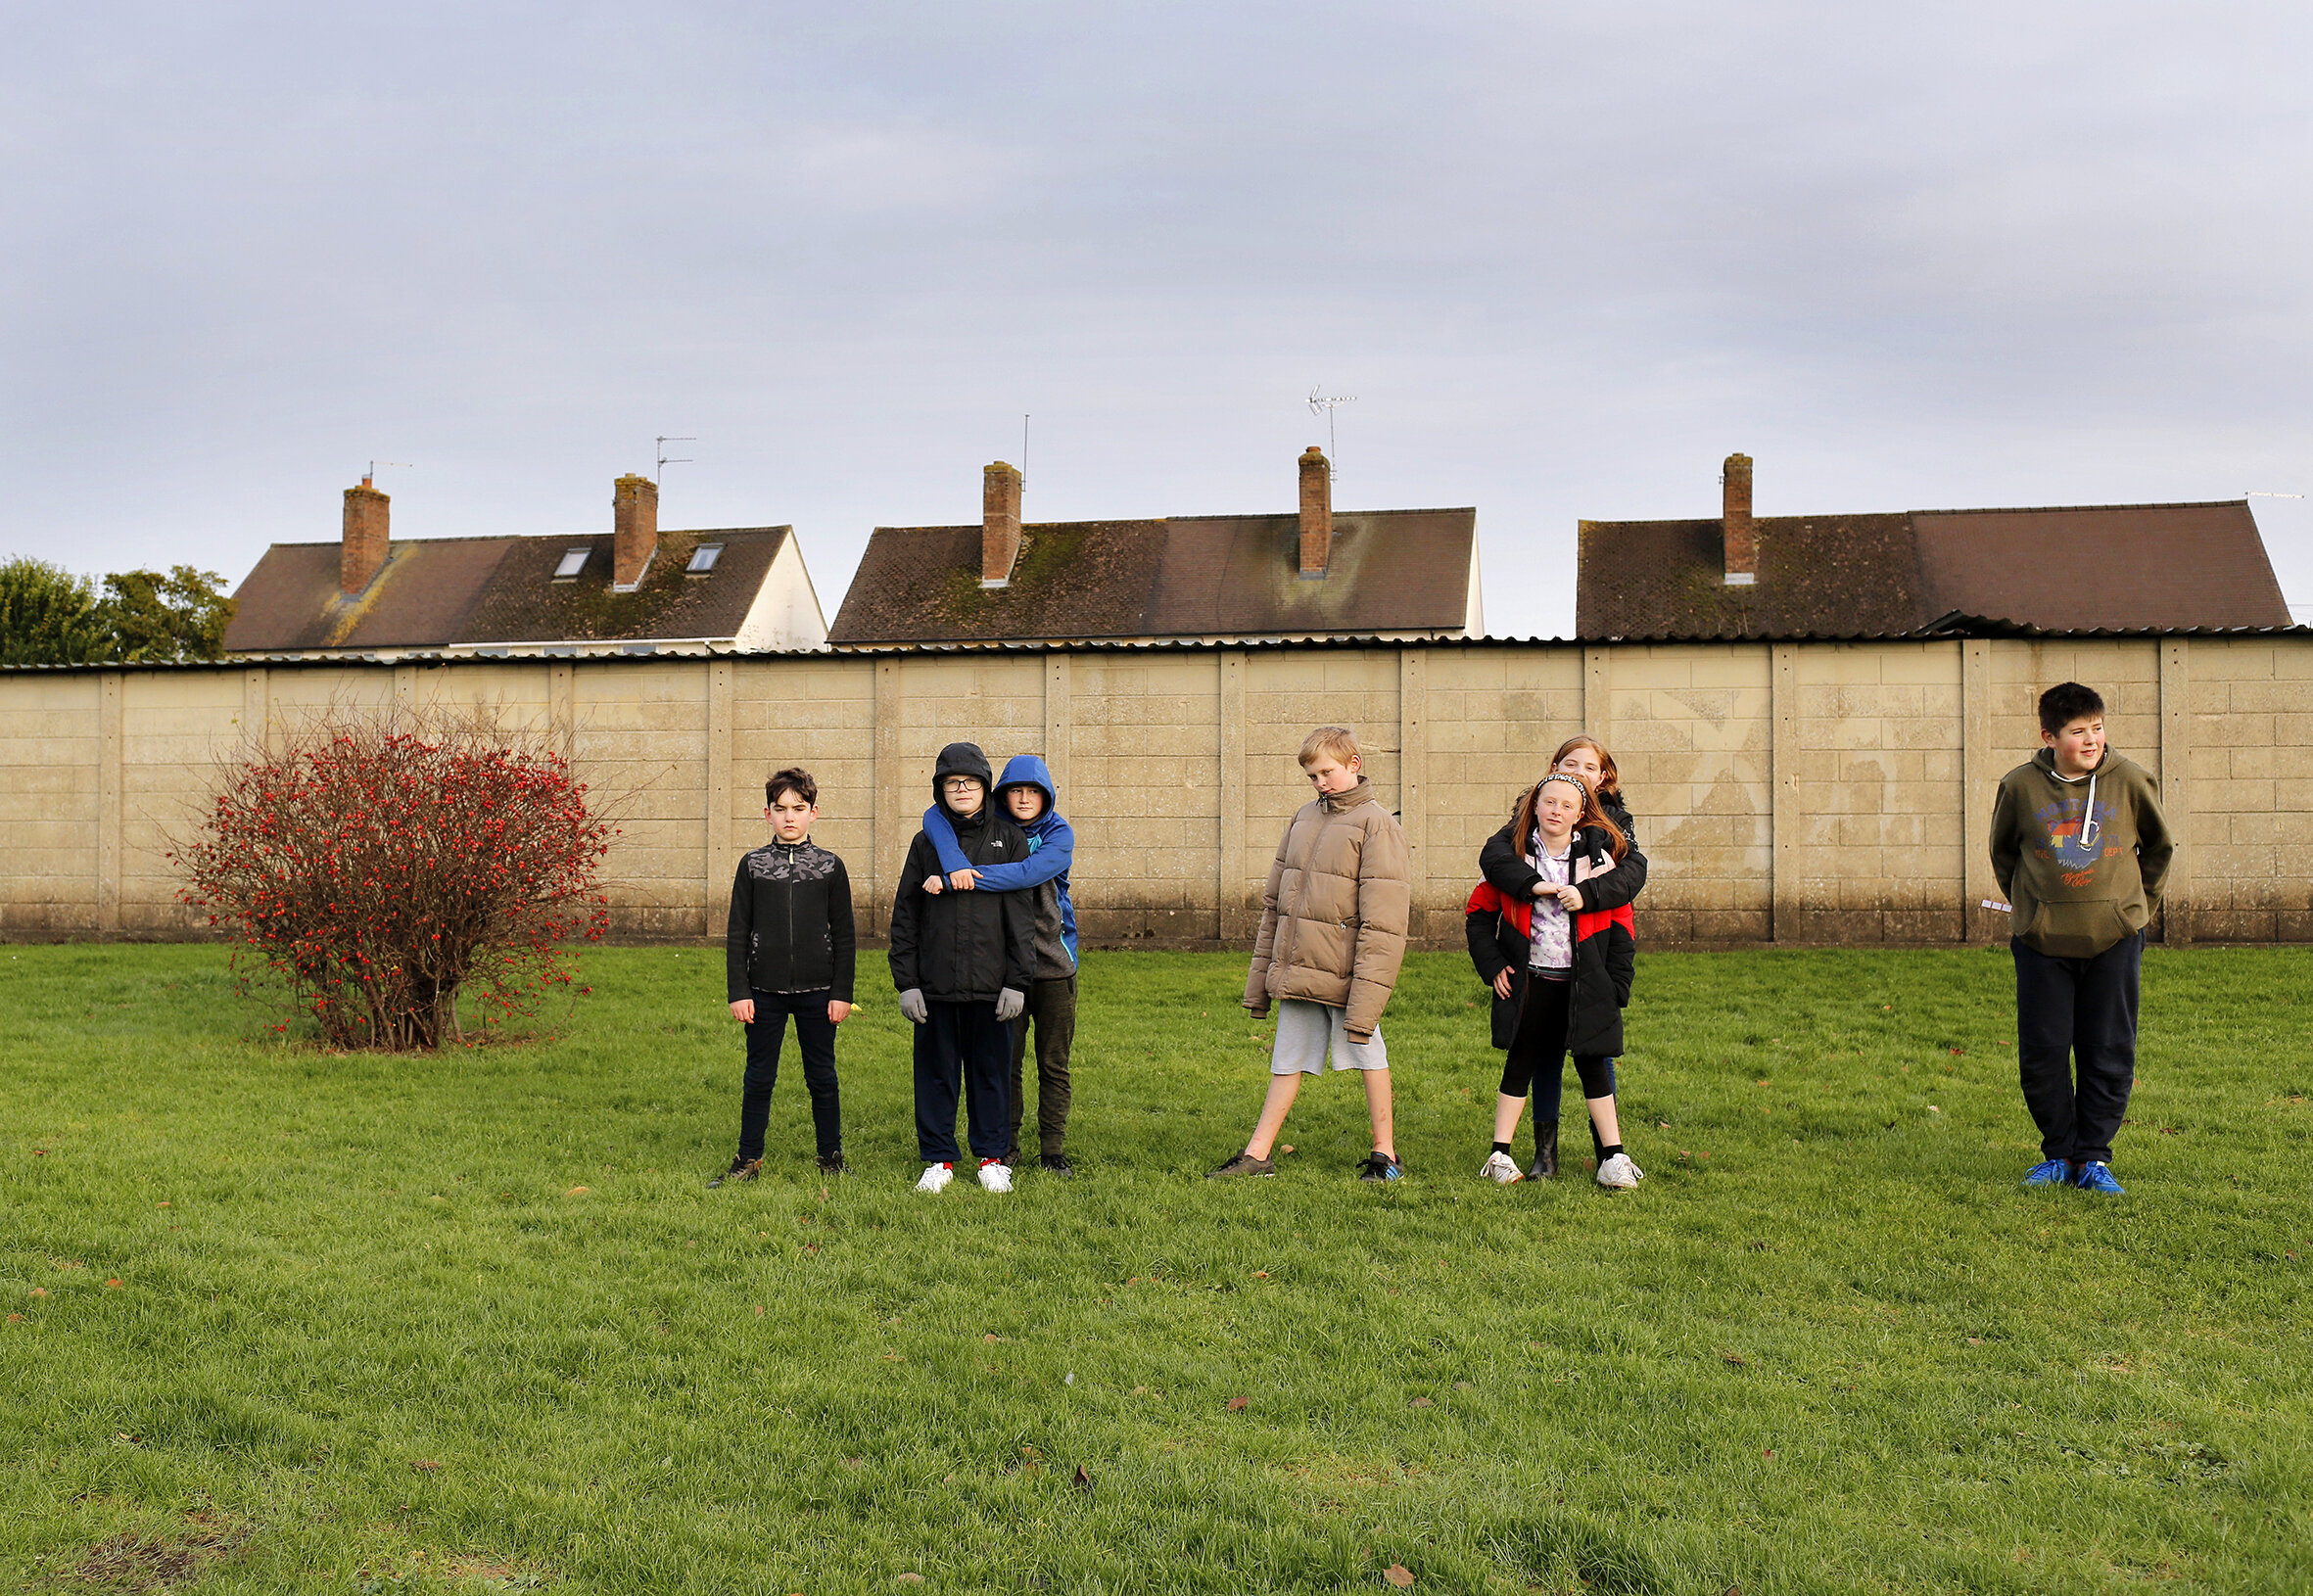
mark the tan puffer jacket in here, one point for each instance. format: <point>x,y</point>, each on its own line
<point>1333,916</point>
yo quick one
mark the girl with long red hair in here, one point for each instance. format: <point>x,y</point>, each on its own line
<point>1510,866</point>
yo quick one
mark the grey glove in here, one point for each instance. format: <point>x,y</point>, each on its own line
<point>912,1006</point>
<point>1009,1004</point>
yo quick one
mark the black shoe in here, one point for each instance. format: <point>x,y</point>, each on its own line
<point>1245,1163</point>
<point>1545,1155</point>
<point>1379,1166</point>
<point>741,1169</point>
<point>831,1163</point>
<point>1058,1163</point>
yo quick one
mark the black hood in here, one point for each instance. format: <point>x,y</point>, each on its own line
<point>963,758</point>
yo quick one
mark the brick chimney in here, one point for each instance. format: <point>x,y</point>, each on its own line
<point>1316,514</point>
<point>1739,529</point>
<point>635,524</point>
<point>1000,522</point>
<point>364,547</point>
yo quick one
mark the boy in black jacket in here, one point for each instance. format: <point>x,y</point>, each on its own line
<point>790,950</point>
<point>962,962</point>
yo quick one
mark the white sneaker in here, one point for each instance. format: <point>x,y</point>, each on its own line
<point>936,1177</point>
<point>996,1177</point>
<point>1618,1173</point>
<point>1501,1169</point>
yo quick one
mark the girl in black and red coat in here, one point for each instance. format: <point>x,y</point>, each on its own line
<point>1560,971</point>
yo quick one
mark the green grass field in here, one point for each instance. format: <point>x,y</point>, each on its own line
<point>291,1322</point>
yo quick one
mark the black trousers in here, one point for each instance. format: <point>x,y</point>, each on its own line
<point>2080,1011</point>
<point>962,1045</point>
<point>815,1036</point>
<point>1538,1055</point>
<point>1051,1008</point>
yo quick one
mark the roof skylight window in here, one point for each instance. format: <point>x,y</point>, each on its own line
<point>572,564</point>
<point>703,559</point>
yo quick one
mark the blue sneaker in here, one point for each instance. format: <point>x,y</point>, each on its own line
<point>1380,1167</point>
<point>2097,1177</point>
<point>2054,1172</point>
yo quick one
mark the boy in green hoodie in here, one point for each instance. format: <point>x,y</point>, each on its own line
<point>2080,849</point>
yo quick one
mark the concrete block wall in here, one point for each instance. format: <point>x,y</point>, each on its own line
<point>1795,792</point>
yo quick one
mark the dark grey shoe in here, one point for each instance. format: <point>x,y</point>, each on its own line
<point>741,1169</point>
<point>1058,1163</point>
<point>1245,1163</point>
<point>1545,1155</point>
<point>831,1163</point>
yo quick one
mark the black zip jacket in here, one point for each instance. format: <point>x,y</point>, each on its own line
<point>790,924</point>
<point>964,947</point>
<point>1605,962</point>
<point>1503,861</point>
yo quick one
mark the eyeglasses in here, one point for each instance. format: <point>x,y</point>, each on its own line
<point>958,783</point>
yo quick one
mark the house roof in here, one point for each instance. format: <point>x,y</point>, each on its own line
<point>1390,570</point>
<point>436,593</point>
<point>2108,567</point>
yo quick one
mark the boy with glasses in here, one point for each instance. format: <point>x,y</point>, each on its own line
<point>962,962</point>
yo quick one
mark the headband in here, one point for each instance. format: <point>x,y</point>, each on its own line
<point>1579,784</point>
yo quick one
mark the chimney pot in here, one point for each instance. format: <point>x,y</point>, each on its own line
<point>1739,529</point>
<point>1000,522</point>
<point>363,548</point>
<point>1316,514</point>
<point>635,528</point>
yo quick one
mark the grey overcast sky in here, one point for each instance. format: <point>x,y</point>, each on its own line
<point>1566,257</point>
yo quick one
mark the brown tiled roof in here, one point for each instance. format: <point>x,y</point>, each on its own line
<point>2118,566</point>
<point>1391,571</point>
<point>437,592</point>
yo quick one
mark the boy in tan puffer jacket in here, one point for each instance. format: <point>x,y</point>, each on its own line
<point>1332,937</point>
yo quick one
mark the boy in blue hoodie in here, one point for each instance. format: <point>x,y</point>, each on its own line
<point>1026,793</point>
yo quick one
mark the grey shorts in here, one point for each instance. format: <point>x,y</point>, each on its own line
<point>1307,1031</point>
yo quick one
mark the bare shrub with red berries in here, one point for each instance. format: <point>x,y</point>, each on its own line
<point>381,867</point>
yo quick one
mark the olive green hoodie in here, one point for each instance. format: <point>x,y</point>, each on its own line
<point>2081,860</point>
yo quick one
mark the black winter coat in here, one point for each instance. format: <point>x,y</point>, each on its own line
<point>1503,861</point>
<point>1605,957</point>
<point>964,947</point>
<point>790,924</point>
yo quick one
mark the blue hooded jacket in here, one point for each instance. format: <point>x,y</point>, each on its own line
<point>1052,845</point>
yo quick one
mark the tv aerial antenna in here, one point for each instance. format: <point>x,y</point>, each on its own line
<point>369,478</point>
<point>1323,403</point>
<point>666,460</point>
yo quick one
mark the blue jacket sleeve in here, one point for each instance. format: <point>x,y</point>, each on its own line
<point>940,832</point>
<point>1052,858</point>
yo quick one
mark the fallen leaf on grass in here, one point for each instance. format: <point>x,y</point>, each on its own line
<point>1766,1454</point>
<point>910,1579</point>
<point>893,1357</point>
<point>1083,1480</point>
<point>1736,1358</point>
<point>1261,1274</point>
<point>1288,1147</point>
<point>578,1191</point>
<point>758,1312</point>
<point>1461,1384</point>
<point>1975,1341</point>
<point>811,1247</point>
<point>1422,1402</point>
<point>991,1337</point>
<point>1236,1404</point>
<point>425,1465</point>
<point>40,1153</point>
<point>16,1318</point>
<point>112,1285</point>
<point>160,1205</point>
<point>1399,1574</point>
<point>40,1290</point>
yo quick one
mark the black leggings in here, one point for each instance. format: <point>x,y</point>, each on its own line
<point>1539,1047</point>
